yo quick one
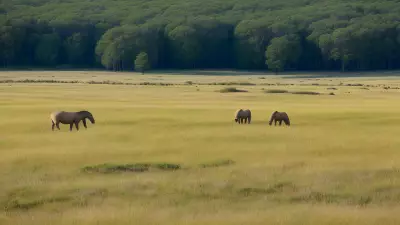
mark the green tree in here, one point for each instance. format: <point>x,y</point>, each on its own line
<point>282,52</point>
<point>142,62</point>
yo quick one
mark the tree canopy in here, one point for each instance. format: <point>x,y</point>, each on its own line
<point>194,34</point>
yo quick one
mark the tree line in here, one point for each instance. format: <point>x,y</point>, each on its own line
<point>262,34</point>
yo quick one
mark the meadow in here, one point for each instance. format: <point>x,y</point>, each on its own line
<point>338,162</point>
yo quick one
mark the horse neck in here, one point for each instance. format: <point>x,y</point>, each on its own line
<point>273,116</point>
<point>82,115</point>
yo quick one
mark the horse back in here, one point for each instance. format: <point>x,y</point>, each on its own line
<point>63,117</point>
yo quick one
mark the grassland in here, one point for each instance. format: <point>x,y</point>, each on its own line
<point>337,164</point>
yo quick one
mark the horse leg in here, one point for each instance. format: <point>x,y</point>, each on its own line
<point>57,125</point>
<point>77,125</point>
<point>280,122</point>
<point>52,125</point>
<point>275,122</point>
<point>70,126</point>
<point>84,123</point>
<point>245,120</point>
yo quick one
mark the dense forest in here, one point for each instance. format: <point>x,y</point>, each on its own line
<point>201,34</point>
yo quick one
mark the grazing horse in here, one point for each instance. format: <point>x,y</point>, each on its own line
<point>243,115</point>
<point>70,118</point>
<point>279,117</point>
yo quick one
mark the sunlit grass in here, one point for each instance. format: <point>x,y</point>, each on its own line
<point>338,163</point>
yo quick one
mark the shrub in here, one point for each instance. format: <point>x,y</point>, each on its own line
<point>276,91</point>
<point>231,89</point>
<point>305,93</point>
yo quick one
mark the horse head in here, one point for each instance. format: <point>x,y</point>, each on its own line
<point>88,115</point>
<point>272,117</point>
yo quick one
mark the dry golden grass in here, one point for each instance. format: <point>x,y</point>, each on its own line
<point>337,164</point>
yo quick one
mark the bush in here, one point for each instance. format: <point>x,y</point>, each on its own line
<point>189,82</point>
<point>305,93</point>
<point>276,91</point>
<point>231,89</point>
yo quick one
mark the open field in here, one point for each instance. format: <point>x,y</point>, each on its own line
<point>339,162</point>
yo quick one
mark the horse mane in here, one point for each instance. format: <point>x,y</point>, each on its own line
<point>84,112</point>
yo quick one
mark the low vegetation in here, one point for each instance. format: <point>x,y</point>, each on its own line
<point>305,93</point>
<point>279,91</point>
<point>218,163</point>
<point>276,91</point>
<point>231,89</point>
<point>137,167</point>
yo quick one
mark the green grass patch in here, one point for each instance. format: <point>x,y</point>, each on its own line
<point>217,163</point>
<point>137,167</point>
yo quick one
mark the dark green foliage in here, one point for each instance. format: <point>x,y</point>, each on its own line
<point>47,50</point>
<point>192,34</point>
<point>283,52</point>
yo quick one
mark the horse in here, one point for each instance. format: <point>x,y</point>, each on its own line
<point>243,115</point>
<point>70,118</point>
<point>279,117</point>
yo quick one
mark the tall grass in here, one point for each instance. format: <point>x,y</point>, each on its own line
<point>338,162</point>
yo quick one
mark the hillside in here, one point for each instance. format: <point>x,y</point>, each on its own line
<point>251,34</point>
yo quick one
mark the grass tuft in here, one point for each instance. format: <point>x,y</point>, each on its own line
<point>218,163</point>
<point>137,167</point>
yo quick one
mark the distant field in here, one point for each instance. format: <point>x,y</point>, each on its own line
<point>339,162</point>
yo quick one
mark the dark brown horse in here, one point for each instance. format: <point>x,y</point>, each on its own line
<point>279,117</point>
<point>243,116</point>
<point>70,118</point>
